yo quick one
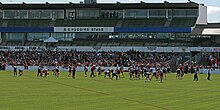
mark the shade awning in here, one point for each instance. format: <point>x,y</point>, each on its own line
<point>50,39</point>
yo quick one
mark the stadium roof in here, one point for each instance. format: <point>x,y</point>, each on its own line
<point>118,5</point>
<point>210,29</point>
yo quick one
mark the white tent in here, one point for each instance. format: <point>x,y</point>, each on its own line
<point>211,31</point>
<point>50,39</point>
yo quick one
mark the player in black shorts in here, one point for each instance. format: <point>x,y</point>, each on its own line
<point>57,72</point>
<point>85,70</point>
<point>164,70</point>
<point>160,72</point>
<point>209,73</point>
<point>15,71</point>
<point>69,70</point>
<point>147,74</point>
<point>115,74</point>
<point>20,72</point>
<point>39,71</point>
<point>46,73</point>
<point>154,75</point>
<point>196,78</point>
<point>122,71</point>
<point>99,70</point>
<point>131,72</point>
<point>178,72</point>
<point>107,73</point>
<point>73,72</point>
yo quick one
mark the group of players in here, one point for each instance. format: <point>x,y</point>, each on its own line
<point>181,70</point>
<point>44,72</point>
<point>135,72</point>
<point>17,72</point>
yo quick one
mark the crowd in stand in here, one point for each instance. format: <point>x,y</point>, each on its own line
<point>65,58</point>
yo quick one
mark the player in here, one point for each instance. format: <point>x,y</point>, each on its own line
<point>57,72</point>
<point>15,71</point>
<point>115,74</point>
<point>69,70</point>
<point>74,72</point>
<point>131,72</point>
<point>178,73</point>
<point>92,75</point>
<point>46,73</point>
<point>164,70</point>
<point>20,72</point>
<point>137,73</point>
<point>122,71</point>
<point>196,74</point>
<point>209,73</point>
<point>39,71</point>
<point>154,74</point>
<point>99,70</point>
<point>107,73</point>
<point>147,74</point>
<point>86,70</point>
<point>160,72</point>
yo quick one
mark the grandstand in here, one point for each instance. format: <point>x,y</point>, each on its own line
<point>107,24</point>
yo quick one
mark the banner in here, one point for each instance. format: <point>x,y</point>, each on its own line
<point>83,29</point>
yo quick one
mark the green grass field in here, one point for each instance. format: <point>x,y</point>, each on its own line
<point>83,93</point>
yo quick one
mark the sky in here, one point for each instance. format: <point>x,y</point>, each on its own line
<point>213,6</point>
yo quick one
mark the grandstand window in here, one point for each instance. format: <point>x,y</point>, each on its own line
<point>58,14</point>
<point>37,36</point>
<point>63,36</point>
<point>185,13</point>
<point>1,14</point>
<point>157,13</point>
<point>106,14</point>
<point>9,14</point>
<point>15,14</point>
<point>170,13</point>
<point>45,14</point>
<point>14,36</point>
<point>70,14</point>
<point>179,13</point>
<point>192,13</point>
<point>87,13</point>
<point>34,14</point>
<point>163,35</point>
<point>135,13</point>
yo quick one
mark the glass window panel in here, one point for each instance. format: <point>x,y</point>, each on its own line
<point>58,14</point>
<point>21,14</point>
<point>1,13</point>
<point>86,13</point>
<point>63,36</point>
<point>9,14</point>
<point>115,14</point>
<point>37,36</point>
<point>157,13</point>
<point>14,36</point>
<point>34,14</point>
<point>135,13</point>
<point>15,14</point>
<point>192,13</point>
<point>179,13</point>
<point>45,14</point>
